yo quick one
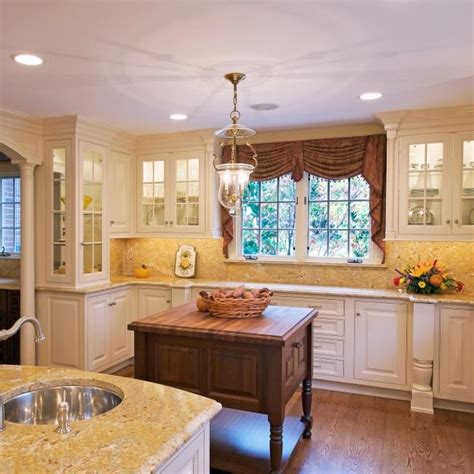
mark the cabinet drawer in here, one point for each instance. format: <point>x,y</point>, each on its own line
<point>333,368</point>
<point>328,347</point>
<point>325,306</point>
<point>328,327</point>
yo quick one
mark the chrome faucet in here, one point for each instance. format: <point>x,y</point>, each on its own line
<point>6,334</point>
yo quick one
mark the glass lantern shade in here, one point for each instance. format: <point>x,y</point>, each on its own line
<point>233,180</point>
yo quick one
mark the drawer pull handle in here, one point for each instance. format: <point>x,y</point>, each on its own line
<point>168,301</point>
<point>318,326</point>
<point>297,345</point>
<point>315,306</point>
<point>317,366</point>
<point>357,314</point>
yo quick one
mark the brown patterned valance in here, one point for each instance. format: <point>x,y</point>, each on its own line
<point>331,158</point>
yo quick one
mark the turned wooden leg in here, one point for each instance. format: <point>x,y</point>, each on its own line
<point>276,447</point>
<point>306,399</point>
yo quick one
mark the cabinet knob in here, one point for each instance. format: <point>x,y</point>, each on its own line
<point>168,301</point>
<point>171,222</point>
<point>357,314</point>
<point>456,221</point>
<point>448,221</point>
<point>166,222</point>
<point>112,222</point>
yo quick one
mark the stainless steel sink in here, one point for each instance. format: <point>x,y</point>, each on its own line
<point>40,407</point>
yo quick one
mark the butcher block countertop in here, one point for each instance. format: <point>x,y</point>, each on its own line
<point>138,435</point>
<point>272,328</point>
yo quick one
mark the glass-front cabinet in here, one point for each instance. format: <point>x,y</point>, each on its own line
<point>92,159</point>
<point>436,185</point>
<point>170,193</point>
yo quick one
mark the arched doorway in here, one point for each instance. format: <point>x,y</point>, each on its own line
<point>27,259</point>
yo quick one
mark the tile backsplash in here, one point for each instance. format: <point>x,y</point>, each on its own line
<point>9,268</point>
<point>159,255</point>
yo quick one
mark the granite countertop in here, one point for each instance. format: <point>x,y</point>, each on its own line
<point>145,430</point>
<point>332,291</point>
<point>9,283</point>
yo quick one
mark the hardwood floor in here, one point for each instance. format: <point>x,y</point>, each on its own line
<point>362,434</point>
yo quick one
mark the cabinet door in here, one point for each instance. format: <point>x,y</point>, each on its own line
<point>152,301</point>
<point>456,377</point>
<point>119,192</point>
<point>380,342</point>
<point>463,189</point>
<point>426,185</point>
<point>120,336</point>
<point>152,184</point>
<point>93,248</point>
<point>187,203</point>
<point>98,340</point>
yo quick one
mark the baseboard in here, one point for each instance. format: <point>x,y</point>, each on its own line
<point>453,405</point>
<point>362,389</point>
<point>119,366</point>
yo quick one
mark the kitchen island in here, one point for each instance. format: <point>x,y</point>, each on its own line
<point>249,365</point>
<point>141,434</point>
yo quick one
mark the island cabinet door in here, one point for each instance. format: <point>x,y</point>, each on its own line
<point>153,301</point>
<point>380,342</point>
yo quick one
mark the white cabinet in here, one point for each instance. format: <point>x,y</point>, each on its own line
<point>170,193</point>
<point>120,176</point>
<point>456,354</point>
<point>85,331</point>
<point>108,340</point>
<point>152,301</point>
<point>380,341</point>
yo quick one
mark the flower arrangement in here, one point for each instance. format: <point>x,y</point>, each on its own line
<point>426,278</point>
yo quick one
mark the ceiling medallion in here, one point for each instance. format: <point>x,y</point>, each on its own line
<point>234,176</point>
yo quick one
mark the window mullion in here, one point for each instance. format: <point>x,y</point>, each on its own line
<point>301,226</point>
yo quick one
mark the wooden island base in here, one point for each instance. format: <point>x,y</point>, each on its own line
<point>251,366</point>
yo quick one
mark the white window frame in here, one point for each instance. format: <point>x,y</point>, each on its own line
<point>301,238</point>
<point>6,175</point>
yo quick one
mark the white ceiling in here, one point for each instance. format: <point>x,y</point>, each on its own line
<point>132,63</point>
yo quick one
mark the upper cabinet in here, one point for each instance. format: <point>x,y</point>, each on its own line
<point>430,174</point>
<point>171,193</point>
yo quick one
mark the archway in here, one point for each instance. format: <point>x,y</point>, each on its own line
<point>27,259</point>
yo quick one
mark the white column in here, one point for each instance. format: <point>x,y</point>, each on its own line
<point>27,277</point>
<point>392,170</point>
<point>423,355</point>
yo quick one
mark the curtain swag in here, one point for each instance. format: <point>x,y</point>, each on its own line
<point>330,158</point>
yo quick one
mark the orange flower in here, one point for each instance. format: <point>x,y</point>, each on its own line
<point>436,280</point>
<point>396,281</point>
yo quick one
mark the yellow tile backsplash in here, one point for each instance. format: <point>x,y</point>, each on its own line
<point>159,255</point>
<point>9,268</point>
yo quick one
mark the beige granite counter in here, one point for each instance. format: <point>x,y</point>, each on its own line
<point>345,292</point>
<point>147,428</point>
<point>9,284</point>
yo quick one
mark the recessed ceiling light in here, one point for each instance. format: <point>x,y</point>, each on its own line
<point>370,96</point>
<point>264,106</point>
<point>27,59</point>
<point>178,116</point>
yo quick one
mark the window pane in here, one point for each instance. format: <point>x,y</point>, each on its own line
<point>268,190</point>
<point>360,218</point>
<point>193,191</point>
<point>338,243</point>
<point>286,218</point>
<point>318,243</point>
<point>360,240</point>
<point>339,189</point>
<point>287,188</point>
<point>359,188</point>
<point>318,189</point>
<point>193,169</point>
<point>286,242</point>
<point>250,216</point>
<point>159,171</point>
<point>8,215</point>
<point>181,192</point>
<point>318,215</point>
<point>193,214</point>
<point>181,214</point>
<point>148,171</point>
<point>181,170</point>
<point>252,192</point>
<point>148,193</point>
<point>7,190</point>
<point>338,215</point>
<point>269,242</point>
<point>268,216</point>
<point>250,242</point>
<point>159,192</point>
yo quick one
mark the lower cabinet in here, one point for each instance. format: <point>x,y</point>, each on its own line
<point>153,300</point>
<point>456,354</point>
<point>85,331</point>
<point>380,342</point>
<point>192,458</point>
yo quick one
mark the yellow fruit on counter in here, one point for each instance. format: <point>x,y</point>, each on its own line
<point>142,272</point>
<point>201,305</point>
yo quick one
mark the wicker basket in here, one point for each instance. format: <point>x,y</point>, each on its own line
<point>236,308</point>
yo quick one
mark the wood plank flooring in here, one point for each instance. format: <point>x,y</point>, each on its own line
<point>363,434</point>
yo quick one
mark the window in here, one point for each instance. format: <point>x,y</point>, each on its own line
<point>10,213</point>
<point>333,224</point>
